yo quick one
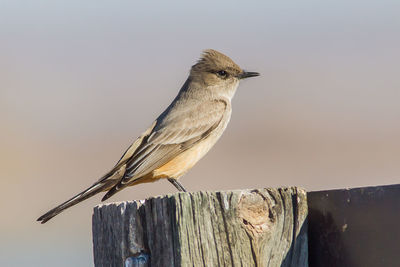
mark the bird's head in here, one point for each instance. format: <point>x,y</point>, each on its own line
<point>218,72</point>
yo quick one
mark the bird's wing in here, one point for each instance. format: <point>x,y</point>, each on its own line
<point>175,134</point>
<point>121,164</point>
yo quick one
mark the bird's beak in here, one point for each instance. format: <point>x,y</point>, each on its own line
<point>247,74</point>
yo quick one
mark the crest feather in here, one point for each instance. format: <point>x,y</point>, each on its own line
<point>212,60</point>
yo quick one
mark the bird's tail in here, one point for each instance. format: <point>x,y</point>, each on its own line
<point>91,191</point>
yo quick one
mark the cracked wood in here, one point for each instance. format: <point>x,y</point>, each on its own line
<point>263,227</point>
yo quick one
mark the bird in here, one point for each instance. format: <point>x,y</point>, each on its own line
<point>187,129</point>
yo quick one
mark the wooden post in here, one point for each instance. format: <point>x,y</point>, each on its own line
<point>264,227</point>
<point>356,227</point>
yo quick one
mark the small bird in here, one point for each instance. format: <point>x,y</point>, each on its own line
<point>180,136</point>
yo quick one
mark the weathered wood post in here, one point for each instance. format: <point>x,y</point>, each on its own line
<point>264,227</point>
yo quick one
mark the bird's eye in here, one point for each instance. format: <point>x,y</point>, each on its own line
<point>222,73</point>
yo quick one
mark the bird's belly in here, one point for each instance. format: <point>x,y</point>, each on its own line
<point>185,161</point>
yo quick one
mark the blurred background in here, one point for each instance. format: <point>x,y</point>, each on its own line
<point>80,80</point>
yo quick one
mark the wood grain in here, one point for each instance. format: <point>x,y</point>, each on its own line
<point>263,227</point>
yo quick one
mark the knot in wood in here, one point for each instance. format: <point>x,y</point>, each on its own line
<point>254,212</point>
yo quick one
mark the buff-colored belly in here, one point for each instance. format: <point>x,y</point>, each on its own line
<point>184,161</point>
